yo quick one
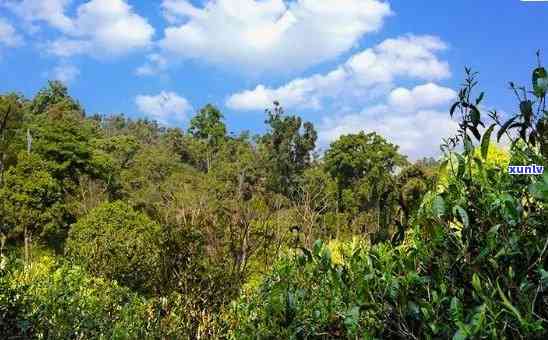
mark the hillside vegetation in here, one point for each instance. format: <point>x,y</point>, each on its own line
<point>116,228</point>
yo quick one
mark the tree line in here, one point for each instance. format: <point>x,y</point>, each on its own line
<point>115,227</point>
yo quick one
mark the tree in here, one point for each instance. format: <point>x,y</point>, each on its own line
<point>288,145</point>
<point>366,163</point>
<point>65,142</point>
<point>115,241</point>
<point>317,193</point>
<point>31,201</point>
<point>411,184</point>
<point>237,168</point>
<point>11,120</point>
<point>54,99</point>
<point>208,126</point>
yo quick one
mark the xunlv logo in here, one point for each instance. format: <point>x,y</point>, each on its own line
<point>526,169</point>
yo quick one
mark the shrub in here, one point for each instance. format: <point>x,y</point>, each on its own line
<point>53,300</point>
<point>119,243</point>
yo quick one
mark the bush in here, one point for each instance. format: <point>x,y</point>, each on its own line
<point>119,243</point>
<point>52,300</point>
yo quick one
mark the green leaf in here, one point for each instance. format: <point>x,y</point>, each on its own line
<point>317,248</point>
<point>443,165</point>
<point>480,98</point>
<point>504,127</point>
<point>543,276</point>
<point>438,206</point>
<point>456,309</point>
<point>508,305</point>
<point>453,108</point>
<point>539,189</point>
<point>526,109</point>
<point>468,145</point>
<point>486,139</point>
<point>462,165</point>
<point>475,132</point>
<point>463,215</point>
<point>481,168</point>
<point>475,115</point>
<point>460,335</point>
<point>476,283</point>
<point>326,257</point>
<point>540,76</point>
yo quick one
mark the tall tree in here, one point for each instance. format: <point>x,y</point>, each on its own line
<point>54,99</point>
<point>31,201</point>
<point>365,162</point>
<point>208,126</point>
<point>289,145</point>
<point>11,120</point>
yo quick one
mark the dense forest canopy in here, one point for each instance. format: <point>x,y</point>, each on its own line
<point>119,228</point>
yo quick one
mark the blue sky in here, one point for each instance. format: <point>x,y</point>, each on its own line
<point>346,65</point>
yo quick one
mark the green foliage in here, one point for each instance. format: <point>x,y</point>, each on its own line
<point>31,199</point>
<point>208,128</point>
<point>11,119</point>
<point>175,235</point>
<point>288,150</point>
<point>473,265</point>
<point>119,243</point>
<point>65,142</point>
<point>208,125</point>
<point>51,300</point>
<point>54,99</point>
<point>353,157</point>
<point>363,166</point>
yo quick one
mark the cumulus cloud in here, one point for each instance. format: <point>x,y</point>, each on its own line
<point>417,123</point>
<point>49,11</point>
<point>372,70</point>
<point>8,35</point>
<point>269,34</point>
<point>65,73</point>
<point>100,27</point>
<point>155,64</point>
<point>166,107</point>
<point>417,133</point>
<point>421,96</point>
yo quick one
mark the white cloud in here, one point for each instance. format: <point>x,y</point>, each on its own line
<point>155,64</point>
<point>366,74</point>
<point>65,73</point>
<point>8,35</point>
<point>303,92</point>
<point>269,34</point>
<point>64,47</point>
<point>165,107</point>
<point>419,97</point>
<point>49,11</point>
<point>417,125</point>
<point>103,28</point>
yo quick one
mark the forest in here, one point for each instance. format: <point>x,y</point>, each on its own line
<point>119,228</point>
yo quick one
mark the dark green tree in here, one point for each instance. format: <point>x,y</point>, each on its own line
<point>288,149</point>
<point>31,201</point>
<point>11,122</point>
<point>364,164</point>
